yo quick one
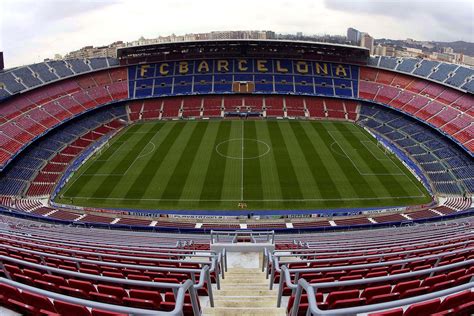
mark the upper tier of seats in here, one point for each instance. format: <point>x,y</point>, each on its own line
<point>23,78</point>
<point>25,117</point>
<point>457,76</point>
<point>445,109</point>
<point>449,169</point>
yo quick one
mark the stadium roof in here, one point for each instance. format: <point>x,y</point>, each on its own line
<point>243,48</point>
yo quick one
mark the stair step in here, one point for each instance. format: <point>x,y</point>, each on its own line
<point>241,279</point>
<point>244,283</point>
<point>242,311</point>
<point>245,292</point>
<point>262,302</point>
<point>244,270</point>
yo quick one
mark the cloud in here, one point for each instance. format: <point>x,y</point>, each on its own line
<point>31,30</point>
<point>433,20</point>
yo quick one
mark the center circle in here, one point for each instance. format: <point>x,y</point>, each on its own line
<point>238,148</point>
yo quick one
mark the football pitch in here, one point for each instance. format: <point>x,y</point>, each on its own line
<point>255,164</point>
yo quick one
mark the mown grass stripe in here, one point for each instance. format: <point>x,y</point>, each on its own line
<point>142,182</point>
<point>94,166</point>
<point>178,178</point>
<point>108,184</point>
<point>196,176</point>
<point>213,183</point>
<point>252,170</point>
<point>321,175</point>
<point>394,188</point>
<point>290,188</point>
<point>359,185</point>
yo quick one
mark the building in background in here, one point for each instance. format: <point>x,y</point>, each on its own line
<point>353,36</point>
<point>367,41</point>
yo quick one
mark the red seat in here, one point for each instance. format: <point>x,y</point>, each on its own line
<point>117,291</point>
<point>455,300</point>
<point>72,291</point>
<point>341,295</point>
<point>22,279</point>
<point>351,302</point>
<point>393,312</point>
<point>423,308</point>
<point>35,275</point>
<point>442,286</point>
<point>429,281</point>
<point>86,286</point>
<point>383,298</point>
<point>58,280</point>
<point>12,269</point>
<point>140,303</point>
<point>465,309</point>
<point>22,308</point>
<point>48,286</point>
<point>65,308</point>
<point>154,296</point>
<point>401,287</point>
<point>99,312</point>
<point>415,292</point>
<point>369,292</point>
<point>38,301</point>
<point>105,298</point>
<point>6,292</point>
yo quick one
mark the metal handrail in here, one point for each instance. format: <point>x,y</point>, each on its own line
<point>390,232</point>
<point>177,311</point>
<point>204,277</point>
<point>311,290</point>
<point>276,264</point>
<point>312,251</point>
<point>350,267</point>
<point>388,244</point>
<point>102,254</point>
<point>169,251</point>
<point>276,267</point>
<point>254,235</point>
<point>42,256</point>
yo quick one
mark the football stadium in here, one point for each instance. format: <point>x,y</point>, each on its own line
<point>237,177</point>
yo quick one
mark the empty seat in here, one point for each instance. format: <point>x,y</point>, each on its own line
<point>65,308</point>
<point>423,308</point>
<point>39,302</point>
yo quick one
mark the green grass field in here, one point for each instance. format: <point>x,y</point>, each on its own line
<point>265,164</point>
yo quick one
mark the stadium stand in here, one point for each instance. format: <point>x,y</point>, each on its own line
<point>421,142</point>
<point>419,99</point>
<point>454,75</point>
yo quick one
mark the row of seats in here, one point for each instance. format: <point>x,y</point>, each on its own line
<point>448,167</point>
<point>36,170</point>
<point>330,264</point>
<point>446,109</point>
<point>133,273</point>
<point>217,106</point>
<point>458,76</point>
<point>31,114</point>
<point>31,76</point>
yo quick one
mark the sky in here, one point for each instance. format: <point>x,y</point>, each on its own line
<point>32,30</point>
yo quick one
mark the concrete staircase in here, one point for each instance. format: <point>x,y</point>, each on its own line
<point>244,291</point>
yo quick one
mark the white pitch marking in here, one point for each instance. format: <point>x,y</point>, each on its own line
<point>242,164</point>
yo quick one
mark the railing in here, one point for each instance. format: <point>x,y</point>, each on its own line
<point>234,236</point>
<point>276,265</point>
<point>272,258</point>
<point>311,290</point>
<point>178,289</point>
<point>215,260</point>
<point>177,311</point>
